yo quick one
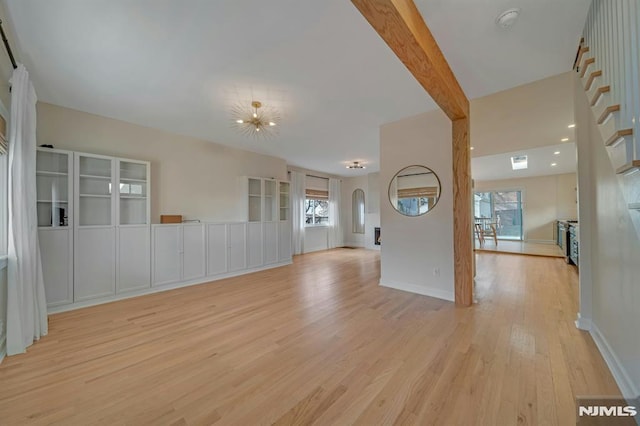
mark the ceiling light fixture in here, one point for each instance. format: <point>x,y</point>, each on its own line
<point>554,164</point>
<point>519,162</point>
<point>556,153</point>
<point>564,139</point>
<point>471,148</point>
<point>356,165</point>
<point>255,121</point>
<point>571,126</point>
<point>507,18</point>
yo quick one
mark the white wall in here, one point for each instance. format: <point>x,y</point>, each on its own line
<point>369,184</point>
<point>613,291</point>
<point>545,199</point>
<point>414,247</point>
<point>192,177</point>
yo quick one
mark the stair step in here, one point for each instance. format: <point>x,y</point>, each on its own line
<point>599,92</point>
<point>592,77</point>
<point>607,112</point>
<point>581,51</point>
<point>634,206</point>
<point>634,165</point>
<point>618,135</point>
<point>585,66</point>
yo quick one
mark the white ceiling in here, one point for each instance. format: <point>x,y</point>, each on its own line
<point>181,65</point>
<point>498,167</point>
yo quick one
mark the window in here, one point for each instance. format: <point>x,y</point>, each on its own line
<point>316,211</point>
<point>316,203</point>
<point>504,208</point>
<point>357,211</point>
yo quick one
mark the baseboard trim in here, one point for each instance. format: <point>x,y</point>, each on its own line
<point>160,288</point>
<point>583,323</point>
<point>618,371</point>
<point>419,289</point>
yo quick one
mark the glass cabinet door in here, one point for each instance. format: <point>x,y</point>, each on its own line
<point>132,190</point>
<point>255,200</point>
<point>270,200</point>
<point>284,201</point>
<point>53,187</point>
<point>94,191</point>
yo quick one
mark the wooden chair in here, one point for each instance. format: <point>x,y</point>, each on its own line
<point>486,229</point>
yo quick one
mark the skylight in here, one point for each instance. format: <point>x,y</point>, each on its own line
<point>519,162</point>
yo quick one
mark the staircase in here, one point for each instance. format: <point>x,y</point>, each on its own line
<point>608,64</point>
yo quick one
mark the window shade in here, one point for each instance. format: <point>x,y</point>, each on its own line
<point>317,194</point>
<point>423,192</point>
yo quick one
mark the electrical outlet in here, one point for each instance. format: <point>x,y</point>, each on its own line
<point>436,272</point>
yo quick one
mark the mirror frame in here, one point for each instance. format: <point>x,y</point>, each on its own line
<point>396,175</point>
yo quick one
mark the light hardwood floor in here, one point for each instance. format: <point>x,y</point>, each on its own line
<point>520,247</point>
<point>318,342</point>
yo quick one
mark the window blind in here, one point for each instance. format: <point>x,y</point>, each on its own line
<point>422,192</point>
<point>318,194</point>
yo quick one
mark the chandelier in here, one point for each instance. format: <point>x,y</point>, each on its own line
<point>257,121</point>
<point>356,165</point>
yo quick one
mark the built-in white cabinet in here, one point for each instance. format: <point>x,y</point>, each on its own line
<point>270,230</point>
<point>54,205</point>
<point>178,253</point>
<point>217,248</point>
<point>284,241</point>
<point>167,259</point>
<point>268,214</point>
<point>112,242</point>
<point>133,265</point>
<point>237,246</point>
<point>94,230</point>
<point>254,244</point>
<point>193,252</point>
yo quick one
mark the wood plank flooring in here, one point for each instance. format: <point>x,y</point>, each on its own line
<point>318,342</point>
<point>520,247</point>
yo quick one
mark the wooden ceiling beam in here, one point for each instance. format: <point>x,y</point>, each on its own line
<point>402,27</point>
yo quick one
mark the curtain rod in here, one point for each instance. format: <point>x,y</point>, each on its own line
<point>6,45</point>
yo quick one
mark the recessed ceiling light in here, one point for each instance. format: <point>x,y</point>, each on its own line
<point>471,148</point>
<point>554,164</point>
<point>564,139</point>
<point>519,162</point>
<point>571,126</point>
<point>556,153</point>
<point>507,18</point>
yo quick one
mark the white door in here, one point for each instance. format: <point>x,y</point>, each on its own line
<point>284,241</point>
<point>134,258</point>
<point>94,266</point>
<point>57,266</point>
<point>237,244</point>
<point>193,252</point>
<point>216,249</point>
<point>254,241</point>
<point>167,259</point>
<point>270,242</point>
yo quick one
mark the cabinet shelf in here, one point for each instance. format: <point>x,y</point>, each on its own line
<point>95,196</point>
<point>52,174</point>
<point>95,177</point>
<point>134,197</point>
<point>53,201</point>
<point>133,180</point>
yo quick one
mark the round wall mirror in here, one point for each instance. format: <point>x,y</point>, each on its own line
<point>414,190</point>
